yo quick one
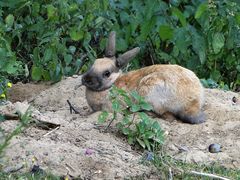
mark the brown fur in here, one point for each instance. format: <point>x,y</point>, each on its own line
<point>186,97</point>
<point>170,89</point>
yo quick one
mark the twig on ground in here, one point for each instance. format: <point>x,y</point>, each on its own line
<point>13,168</point>
<point>72,108</point>
<point>208,175</point>
<point>51,131</point>
<point>68,167</point>
<point>170,176</point>
<point>113,118</point>
<point>11,117</point>
<point>45,125</point>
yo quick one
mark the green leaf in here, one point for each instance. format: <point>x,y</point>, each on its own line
<point>149,134</point>
<point>46,75</point>
<point>146,26</point>
<point>128,101</point>
<point>9,20</point>
<point>146,106</point>
<point>215,75</point>
<point>87,38</point>
<point>177,13</point>
<point>103,116</point>
<point>165,32</point>
<point>126,131</point>
<point>2,118</point>
<point>201,9</point>
<point>11,67</point>
<point>119,125</point>
<point>140,127</point>
<point>36,73</point>
<point>126,120</point>
<point>218,42</point>
<point>237,17</point>
<point>122,45</point>
<point>36,52</point>
<point>145,118</point>
<point>141,142</point>
<point>47,54</point>
<point>130,140</point>
<point>124,17</point>
<point>76,35</point>
<point>135,108</point>
<point>72,49</point>
<point>35,8</point>
<point>115,105</point>
<point>136,96</point>
<point>51,11</point>
<point>159,139</point>
<point>68,59</point>
<point>156,125</point>
<point>146,142</point>
<point>183,39</point>
<point>199,45</point>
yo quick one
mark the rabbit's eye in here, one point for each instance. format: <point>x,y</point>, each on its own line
<point>106,74</point>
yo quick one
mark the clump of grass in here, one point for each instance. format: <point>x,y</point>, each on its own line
<point>29,176</point>
<point>5,139</point>
<point>169,168</point>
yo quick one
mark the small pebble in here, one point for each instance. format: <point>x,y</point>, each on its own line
<point>89,151</point>
<point>234,99</point>
<point>37,170</point>
<point>75,76</point>
<point>149,156</point>
<point>214,148</point>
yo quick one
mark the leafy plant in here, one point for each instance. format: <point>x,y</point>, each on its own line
<point>44,40</point>
<point>4,84</point>
<point>135,123</point>
<point>209,83</point>
<point>201,35</point>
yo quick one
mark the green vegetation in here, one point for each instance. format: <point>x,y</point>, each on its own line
<point>29,176</point>
<point>5,137</point>
<point>129,110</point>
<point>43,40</point>
<point>168,167</point>
<point>135,123</point>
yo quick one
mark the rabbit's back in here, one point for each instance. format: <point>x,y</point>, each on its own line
<point>168,88</point>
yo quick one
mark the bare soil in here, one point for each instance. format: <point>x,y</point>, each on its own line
<point>79,148</point>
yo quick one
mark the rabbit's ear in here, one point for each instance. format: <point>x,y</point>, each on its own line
<point>126,57</point>
<point>111,43</point>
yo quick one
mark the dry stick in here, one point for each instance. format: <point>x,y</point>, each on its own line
<point>208,175</point>
<point>114,117</point>
<point>51,131</point>
<point>11,117</point>
<point>170,174</point>
<point>72,108</point>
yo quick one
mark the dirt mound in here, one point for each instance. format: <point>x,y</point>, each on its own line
<point>21,92</point>
<point>79,148</point>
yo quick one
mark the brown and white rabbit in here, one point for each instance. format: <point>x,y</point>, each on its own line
<point>170,89</point>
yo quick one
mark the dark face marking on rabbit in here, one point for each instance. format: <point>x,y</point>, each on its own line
<point>105,71</point>
<point>101,75</point>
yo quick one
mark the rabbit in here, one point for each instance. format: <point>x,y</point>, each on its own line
<point>170,89</point>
